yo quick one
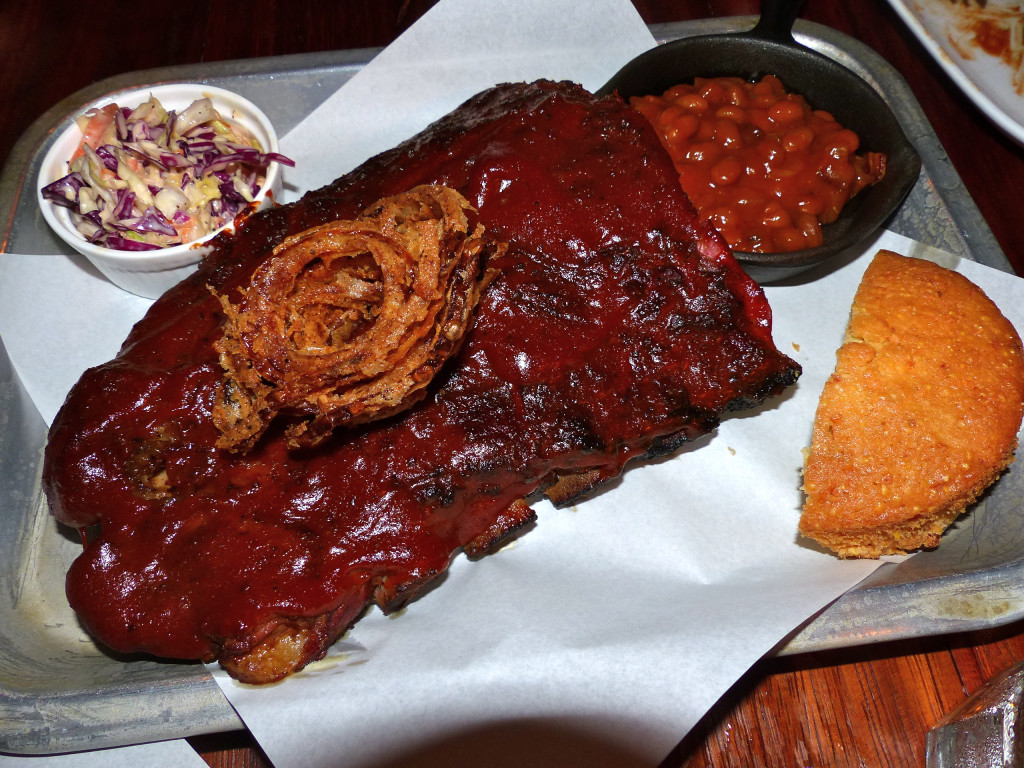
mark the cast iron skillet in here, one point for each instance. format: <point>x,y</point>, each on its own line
<point>769,48</point>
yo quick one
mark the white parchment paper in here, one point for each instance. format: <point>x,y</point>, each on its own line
<point>457,49</point>
<point>602,635</point>
<point>162,754</point>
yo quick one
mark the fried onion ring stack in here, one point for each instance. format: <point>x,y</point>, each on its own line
<point>348,322</point>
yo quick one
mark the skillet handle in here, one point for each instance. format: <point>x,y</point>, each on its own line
<point>776,21</point>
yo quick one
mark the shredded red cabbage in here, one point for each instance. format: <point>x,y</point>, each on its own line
<point>163,177</point>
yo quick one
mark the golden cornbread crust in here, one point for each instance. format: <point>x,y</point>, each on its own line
<point>920,415</point>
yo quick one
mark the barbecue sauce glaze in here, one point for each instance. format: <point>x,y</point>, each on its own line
<point>618,326</point>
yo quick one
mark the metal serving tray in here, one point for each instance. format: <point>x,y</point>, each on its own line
<point>60,692</point>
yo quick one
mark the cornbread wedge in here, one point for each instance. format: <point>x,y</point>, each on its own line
<point>920,415</point>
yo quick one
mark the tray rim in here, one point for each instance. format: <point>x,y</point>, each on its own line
<point>201,706</point>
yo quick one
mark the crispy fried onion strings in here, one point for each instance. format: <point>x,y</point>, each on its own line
<point>349,321</point>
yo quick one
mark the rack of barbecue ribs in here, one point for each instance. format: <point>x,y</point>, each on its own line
<point>243,505</point>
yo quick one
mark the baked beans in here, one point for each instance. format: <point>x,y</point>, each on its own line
<point>765,167</point>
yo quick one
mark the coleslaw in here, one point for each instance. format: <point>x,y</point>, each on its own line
<point>149,178</point>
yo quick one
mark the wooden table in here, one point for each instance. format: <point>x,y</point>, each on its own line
<point>869,706</point>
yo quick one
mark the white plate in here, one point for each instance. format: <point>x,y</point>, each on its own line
<point>986,79</point>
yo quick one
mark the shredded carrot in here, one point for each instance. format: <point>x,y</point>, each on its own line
<point>96,127</point>
<point>185,229</point>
